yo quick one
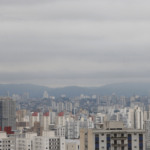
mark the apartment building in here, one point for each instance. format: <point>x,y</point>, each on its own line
<point>25,141</point>
<point>6,143</point>
<point>72,129</point>
<point>112,136</point>
<point>60,131</point>
<point>49,142</point>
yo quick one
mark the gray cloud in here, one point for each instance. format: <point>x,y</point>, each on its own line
<point>66,42</point>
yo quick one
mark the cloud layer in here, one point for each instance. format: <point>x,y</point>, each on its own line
<point>72,42</point>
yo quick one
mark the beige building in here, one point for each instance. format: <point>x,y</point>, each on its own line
<point>112,136</point>
<point>72,145</point>
<point>34,117</point>
<point>45,120</point>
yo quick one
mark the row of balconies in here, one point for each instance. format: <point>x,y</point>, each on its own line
<point>119,145</point>
<point>119,138</point>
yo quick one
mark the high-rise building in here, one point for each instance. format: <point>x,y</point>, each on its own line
<point>7,113</point>
<point>68,106</point>
<point>60,119</point>
<point>147,129</point>
<point>135,118</point>
<point>45,94</point>
<point>60,107</point>
<point>72,129</point>
<point>45,120</point>
<point>34,117</point>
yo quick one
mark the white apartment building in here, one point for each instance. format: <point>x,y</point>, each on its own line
<point>60,107</point>
<point>52,117</point>
<point>49,142</point>
<point>68,106</point>
<point>7,143</point>
<point>25,141</point>
<point>135,118</point>
<point>54,105</point>
<point>45,120</point>
<point>30,141</point>
<point>90,123</point>
<point>60,119</point>
<point>60,131</point>
<point>34,117</point>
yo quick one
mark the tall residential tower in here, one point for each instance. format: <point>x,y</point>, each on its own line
<point>7,113</point>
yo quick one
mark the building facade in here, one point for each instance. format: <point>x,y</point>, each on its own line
<point>7,113</point>
<point>112,136</point>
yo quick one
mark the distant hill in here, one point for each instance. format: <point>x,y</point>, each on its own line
<point>127,89</point>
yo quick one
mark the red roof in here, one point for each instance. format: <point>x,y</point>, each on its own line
<point>46,114</point>
<point>61,114</point>
<point>8,130</point>
<point>35,114</point>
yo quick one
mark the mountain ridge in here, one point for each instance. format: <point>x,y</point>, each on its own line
<point>126,89</point>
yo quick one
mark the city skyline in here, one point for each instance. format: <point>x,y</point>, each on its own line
<point>82,43</point>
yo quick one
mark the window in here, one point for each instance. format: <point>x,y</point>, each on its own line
<point>108,141</point>
<point>96,142</point>
<point>115,141</point>
<point>129,142</point>
<point>141,141</point>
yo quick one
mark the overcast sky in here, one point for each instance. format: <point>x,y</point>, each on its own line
<point>74,42</point>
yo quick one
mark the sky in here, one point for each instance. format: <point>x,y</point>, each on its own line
<point>60,43</point>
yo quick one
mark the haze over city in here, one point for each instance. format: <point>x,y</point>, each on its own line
<point>82,43</point>
<point>74,75</point>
